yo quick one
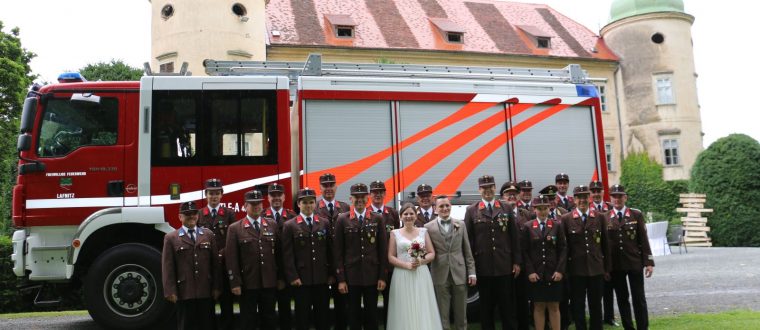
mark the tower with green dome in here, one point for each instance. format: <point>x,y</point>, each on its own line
<point>656,81</point>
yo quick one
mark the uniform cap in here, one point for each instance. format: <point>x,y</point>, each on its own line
<point>276,188</point>
<point>359,189</point>
<point>486,180</point>
<point>327,178</point>
<point>188,207</point>
<point>581,190</point>
<point>306,193</point>
<point>541,200</point>
<point>617,189</point>
<point>562,177</point>
<point>377,185</point>
<point>550,190</point>
<point>525,185</point>
<point>508,186</point>
<point>253,196</point>
<point>213,184</point>
<point>424,189</point>
<point>596,185</point>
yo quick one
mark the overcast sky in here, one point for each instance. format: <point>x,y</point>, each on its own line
<point>69,34</point>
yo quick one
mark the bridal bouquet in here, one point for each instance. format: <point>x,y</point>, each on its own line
<point>416,250</point>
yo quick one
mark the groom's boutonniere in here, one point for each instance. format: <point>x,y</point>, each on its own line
<point>456,226</point>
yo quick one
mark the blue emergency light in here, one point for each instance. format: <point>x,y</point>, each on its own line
<point>70,77</point>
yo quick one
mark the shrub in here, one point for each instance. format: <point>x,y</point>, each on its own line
<point>647,190</point>
<point>728,172</point>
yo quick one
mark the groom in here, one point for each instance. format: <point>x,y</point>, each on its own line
<point>453,265</point>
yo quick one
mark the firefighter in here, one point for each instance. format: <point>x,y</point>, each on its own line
<point>218,218</point>
<point>329,208</point>
<point>276,211</point>
<point>493,233</point>
<point>509,195</point>
<point>526,195</point>
<point>252,245</point>
<point>306,246</point>
<point>555,210</point>
<point>608,299</point>
<point>562,181</point>
<point>631,254</point>
<point>191,271</point>
<point>361,257</point>
<point>390,221</point>
<point>425,209</point>
<point>588,258</point>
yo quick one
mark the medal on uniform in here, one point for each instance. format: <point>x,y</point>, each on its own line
<point>598,239</point>
<point>632,235</point>
<point>503,228</point>
<point>372,240</point>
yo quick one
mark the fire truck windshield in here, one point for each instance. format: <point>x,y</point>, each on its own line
<point>67,126</point>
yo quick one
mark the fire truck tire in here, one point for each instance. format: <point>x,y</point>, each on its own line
<point>123,288</point>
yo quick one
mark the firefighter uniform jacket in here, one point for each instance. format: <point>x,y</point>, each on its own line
<point>360,250</point>
<point>307,251</point>
<point>545,253</point>
<point>629,244</point>
<point>219,224</point>
<point>494,238</point>
<point>588,249</point>
<point>190,270</point>
<point>251,255</point>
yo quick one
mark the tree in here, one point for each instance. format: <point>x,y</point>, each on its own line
<point>647,190</point>
<point>15,78</point>
<point>727,171</point>
<point>116,70</point>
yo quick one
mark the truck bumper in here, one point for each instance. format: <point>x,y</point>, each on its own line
<point>17,257</point>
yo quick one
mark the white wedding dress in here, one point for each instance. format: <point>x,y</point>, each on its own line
<point>412,298</point>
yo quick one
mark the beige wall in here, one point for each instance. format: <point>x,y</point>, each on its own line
<point>645,122</point>
<point>200,30</point>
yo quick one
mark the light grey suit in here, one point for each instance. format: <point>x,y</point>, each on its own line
<point>452,265</point>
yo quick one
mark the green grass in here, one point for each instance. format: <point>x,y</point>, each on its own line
<point>41,314</point>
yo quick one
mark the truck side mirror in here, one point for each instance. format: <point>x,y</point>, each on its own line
<point>27,114</point>
<point>24,142</point>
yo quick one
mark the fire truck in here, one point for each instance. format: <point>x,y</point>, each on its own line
<point>103,166</point>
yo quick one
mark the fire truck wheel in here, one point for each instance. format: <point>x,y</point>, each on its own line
<point>123,288</point>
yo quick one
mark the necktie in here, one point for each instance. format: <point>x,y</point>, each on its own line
<point>330,208</point>
<point>256,225</point>
<point>427,216</point>
<point>361,220</point>
<point>564,202</point>
<point>551,215</point>
<point>620,216</point>
<point>192,234</point>
<point>308,222</point>
<point>543,228</point>
<point>277,217</point>
<point>584,218</point>
<point>213,213</point>
<point>490,208</point>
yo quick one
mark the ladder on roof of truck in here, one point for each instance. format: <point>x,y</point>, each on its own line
<point>315,67</point>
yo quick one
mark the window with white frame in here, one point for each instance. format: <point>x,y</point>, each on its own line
<point>664,86</point>
<point>670,152</point>
<point>608,155</point>
<point>602,96</point>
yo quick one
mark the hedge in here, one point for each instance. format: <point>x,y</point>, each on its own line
<point>647,190</point>
<point>728,171</point>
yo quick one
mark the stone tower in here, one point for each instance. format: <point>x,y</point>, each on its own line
<point>194,30</point>
<point>659,110</point>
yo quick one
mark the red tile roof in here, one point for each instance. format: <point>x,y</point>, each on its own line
<point>489,26</point>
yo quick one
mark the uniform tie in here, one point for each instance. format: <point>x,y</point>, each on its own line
<point>331,209</point>
<point>543,228</point>
<point>192,234</point>
<point>361,220</point>
<point>490,208</point>
<point>256,225</point>
<point>427,216</point>
<point>584,218</point>
<point>277,217</point>
<point>213,213</point>
<point>564,202</point>
<point>620,216</point>
<point>551,215</point>
<point>308,222</point>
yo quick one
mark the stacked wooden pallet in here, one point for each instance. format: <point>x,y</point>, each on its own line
<point>694,223</point>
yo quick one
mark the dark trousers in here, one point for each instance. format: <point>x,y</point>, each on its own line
<point>358,295</point>
<point>496,291</point>
<point>195,314</point>
<point>584,287</point>
<point>522,306</point>
<point>608,301</point>
<point>308,297</point>
<point>565,305</point>
<point>225,305</point>
<point>284,297</point>
<point>636,280</point>
<point>257,309</point>
<point>339,308</point>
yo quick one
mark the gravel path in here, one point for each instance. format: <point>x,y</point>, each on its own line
<point>704,280</point>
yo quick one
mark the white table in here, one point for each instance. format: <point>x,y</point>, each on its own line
<point>658,238</point>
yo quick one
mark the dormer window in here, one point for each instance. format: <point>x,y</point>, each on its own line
<point>543,42</point>
<point>542,39</point>
<point>450,30</point>
<point>342,25</point>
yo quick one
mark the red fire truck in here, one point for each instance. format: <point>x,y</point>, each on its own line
<point>104,165</point>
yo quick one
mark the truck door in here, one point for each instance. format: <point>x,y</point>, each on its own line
<point>81,144</point>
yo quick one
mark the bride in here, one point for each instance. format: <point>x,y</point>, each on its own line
<point>412,298</point>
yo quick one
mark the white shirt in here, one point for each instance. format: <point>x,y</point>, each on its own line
<point>210,209</point>
<point>622,211</point>
<point>445,226</point>
<point>252,220</point>
<point>428,210</point>
<point>488,203</point>
<point>360,214</point>
<point>378,210</point>
<point>304,216</point>
<point>328,203</point>
<point>275,212</point>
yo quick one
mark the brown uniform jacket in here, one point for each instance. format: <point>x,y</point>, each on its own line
<point>190,270</point>
<point>494,238</point>
<point>306,253</point>
<point>588,248</point>
<point>421,221</point>
<point>360,251</point>
<point>629,243</point>
<point>390,219</point>
<point>570,202</point>
<point>544,254</point>
<point>251,255</point>
<point>286,215</point>
<point>324,212</point>
<point>606,207</point>
<point>224,218</point>
<point>522,205</point>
